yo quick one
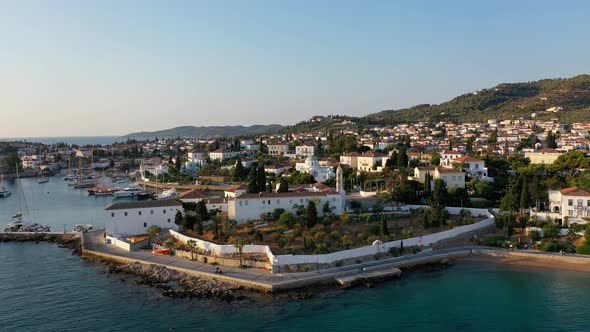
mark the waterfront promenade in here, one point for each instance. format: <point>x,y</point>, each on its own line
<point>263,280</point>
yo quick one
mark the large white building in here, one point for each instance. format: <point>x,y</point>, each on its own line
<point>573,203</point>
<point>278,149</point>
<point>134,218</point>
<point>312,166</point>
<point>475,167</point>
<point>222,154</point>
<point>452,177</point>
<point>305,150</point>
<point>251,206</point>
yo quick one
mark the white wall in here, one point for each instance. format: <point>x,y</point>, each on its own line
<point>134,223</point>
<point>352,253</point>
<point>252,208</point>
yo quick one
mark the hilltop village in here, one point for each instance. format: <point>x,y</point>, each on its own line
<point>343,187</point>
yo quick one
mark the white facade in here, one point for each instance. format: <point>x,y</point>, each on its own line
<point>305,150</point>
<point>278,149</point>
<point>311,166</point>
<point>134,218</point>
<point>251,206</point>
<point>222,154</point>
<point>572,202</point>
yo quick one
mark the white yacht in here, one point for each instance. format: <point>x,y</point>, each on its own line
<point>130,191</point>
<point>168,194</point>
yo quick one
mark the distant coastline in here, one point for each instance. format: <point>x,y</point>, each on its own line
<point>77,140</point>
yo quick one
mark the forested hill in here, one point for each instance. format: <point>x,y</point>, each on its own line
<point>504,101</point>
<point>210,131</point>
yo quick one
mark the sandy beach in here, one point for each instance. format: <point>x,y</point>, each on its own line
<point>529,261</point>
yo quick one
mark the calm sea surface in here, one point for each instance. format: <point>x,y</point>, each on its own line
<point>78,140</point>
<point>45,288</point>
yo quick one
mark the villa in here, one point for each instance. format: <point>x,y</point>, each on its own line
<point>134,218</point>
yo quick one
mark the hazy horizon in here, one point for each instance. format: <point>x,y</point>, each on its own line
<point>111,68</point>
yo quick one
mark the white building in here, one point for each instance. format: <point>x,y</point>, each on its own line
<point>222,154</point>
<point>134,218</point>
<point>573,203</point>
<point>250,206</point>
<point>452,177</point>
<point>311,166</point>
<point>475,167</point>
<point>278,149</point>
<point>305,150</point>
<point>447,157</point>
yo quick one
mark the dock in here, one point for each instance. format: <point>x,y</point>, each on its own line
<point>368,276</point>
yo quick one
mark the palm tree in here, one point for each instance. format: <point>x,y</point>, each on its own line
<point>239,247</point>
<point>192,244</point>
<point>153,231</point>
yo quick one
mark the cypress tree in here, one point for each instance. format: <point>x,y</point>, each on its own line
<point>252,187</point>
<point>311,215</point>
<point>283,186</point>
<point>524,194</point>
<point>261,178</point>
<point>239,171</point>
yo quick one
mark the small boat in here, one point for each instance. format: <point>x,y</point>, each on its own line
<point>42,178</point>
<point>159,249</point>
<point>82,228</point>
<point>84,184</point>
<point>130,191</point>
<point>4,193</point>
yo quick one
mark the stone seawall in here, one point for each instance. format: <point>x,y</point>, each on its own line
<point>67,240</point>
<point>256,286</point>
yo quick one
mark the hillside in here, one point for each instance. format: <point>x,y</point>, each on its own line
<point>504,101</point>
<point>210,131</point>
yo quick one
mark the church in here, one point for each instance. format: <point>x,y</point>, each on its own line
<point>312,166</point>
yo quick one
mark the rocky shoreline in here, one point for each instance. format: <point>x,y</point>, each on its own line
<point>180,285</point>
<point>69,241</point>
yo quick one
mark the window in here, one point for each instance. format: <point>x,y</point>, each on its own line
<point>125,214</point>
<point>168,219</point>
<point>570,202</point>
<point>476,166</point>
<point>588,202</point>
<point>164,211</point>
<point>571,213</point>
<point>151,211</point>
<point>580,203</point>
<point>145,224</point>
<point>139,213</point>
<point>246,202</point>
<point>240,203</point>
<point>278,201</point>
<point>113,214</point>
<point>269,202</point>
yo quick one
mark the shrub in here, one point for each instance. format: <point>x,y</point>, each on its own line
<point>287,219</point>
<point>494,240</point>
<point>583,250</point>
<point>550,231</point>
<point>394,251</point>
<point>374,230</point>
<point>372,239</point>
<point>276,213</point>
<point>338,263</point>
<point>280,242</point>
<point>535,236</point>
<point>257,236</point>
<point>297,232</point>
<point>550,245</point>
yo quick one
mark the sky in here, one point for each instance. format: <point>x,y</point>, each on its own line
<point>112,67</point>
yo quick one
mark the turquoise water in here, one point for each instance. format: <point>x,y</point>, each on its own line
<point>45,288</point>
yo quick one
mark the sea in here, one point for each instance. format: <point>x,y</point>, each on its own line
<point>76,140</point>
<point>46,288</point>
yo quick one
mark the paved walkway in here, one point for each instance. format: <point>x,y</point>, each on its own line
<point>94,242</point>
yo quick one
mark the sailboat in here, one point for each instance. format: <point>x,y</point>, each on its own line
<point>19,223</point>
<point>3,191</point>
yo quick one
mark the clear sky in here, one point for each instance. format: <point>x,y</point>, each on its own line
<point>70,68</point>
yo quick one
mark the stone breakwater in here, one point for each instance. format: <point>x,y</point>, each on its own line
<point>177,284</point>
<point>70,241</point>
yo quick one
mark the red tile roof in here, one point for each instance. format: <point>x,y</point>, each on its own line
<point>574,191</point>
